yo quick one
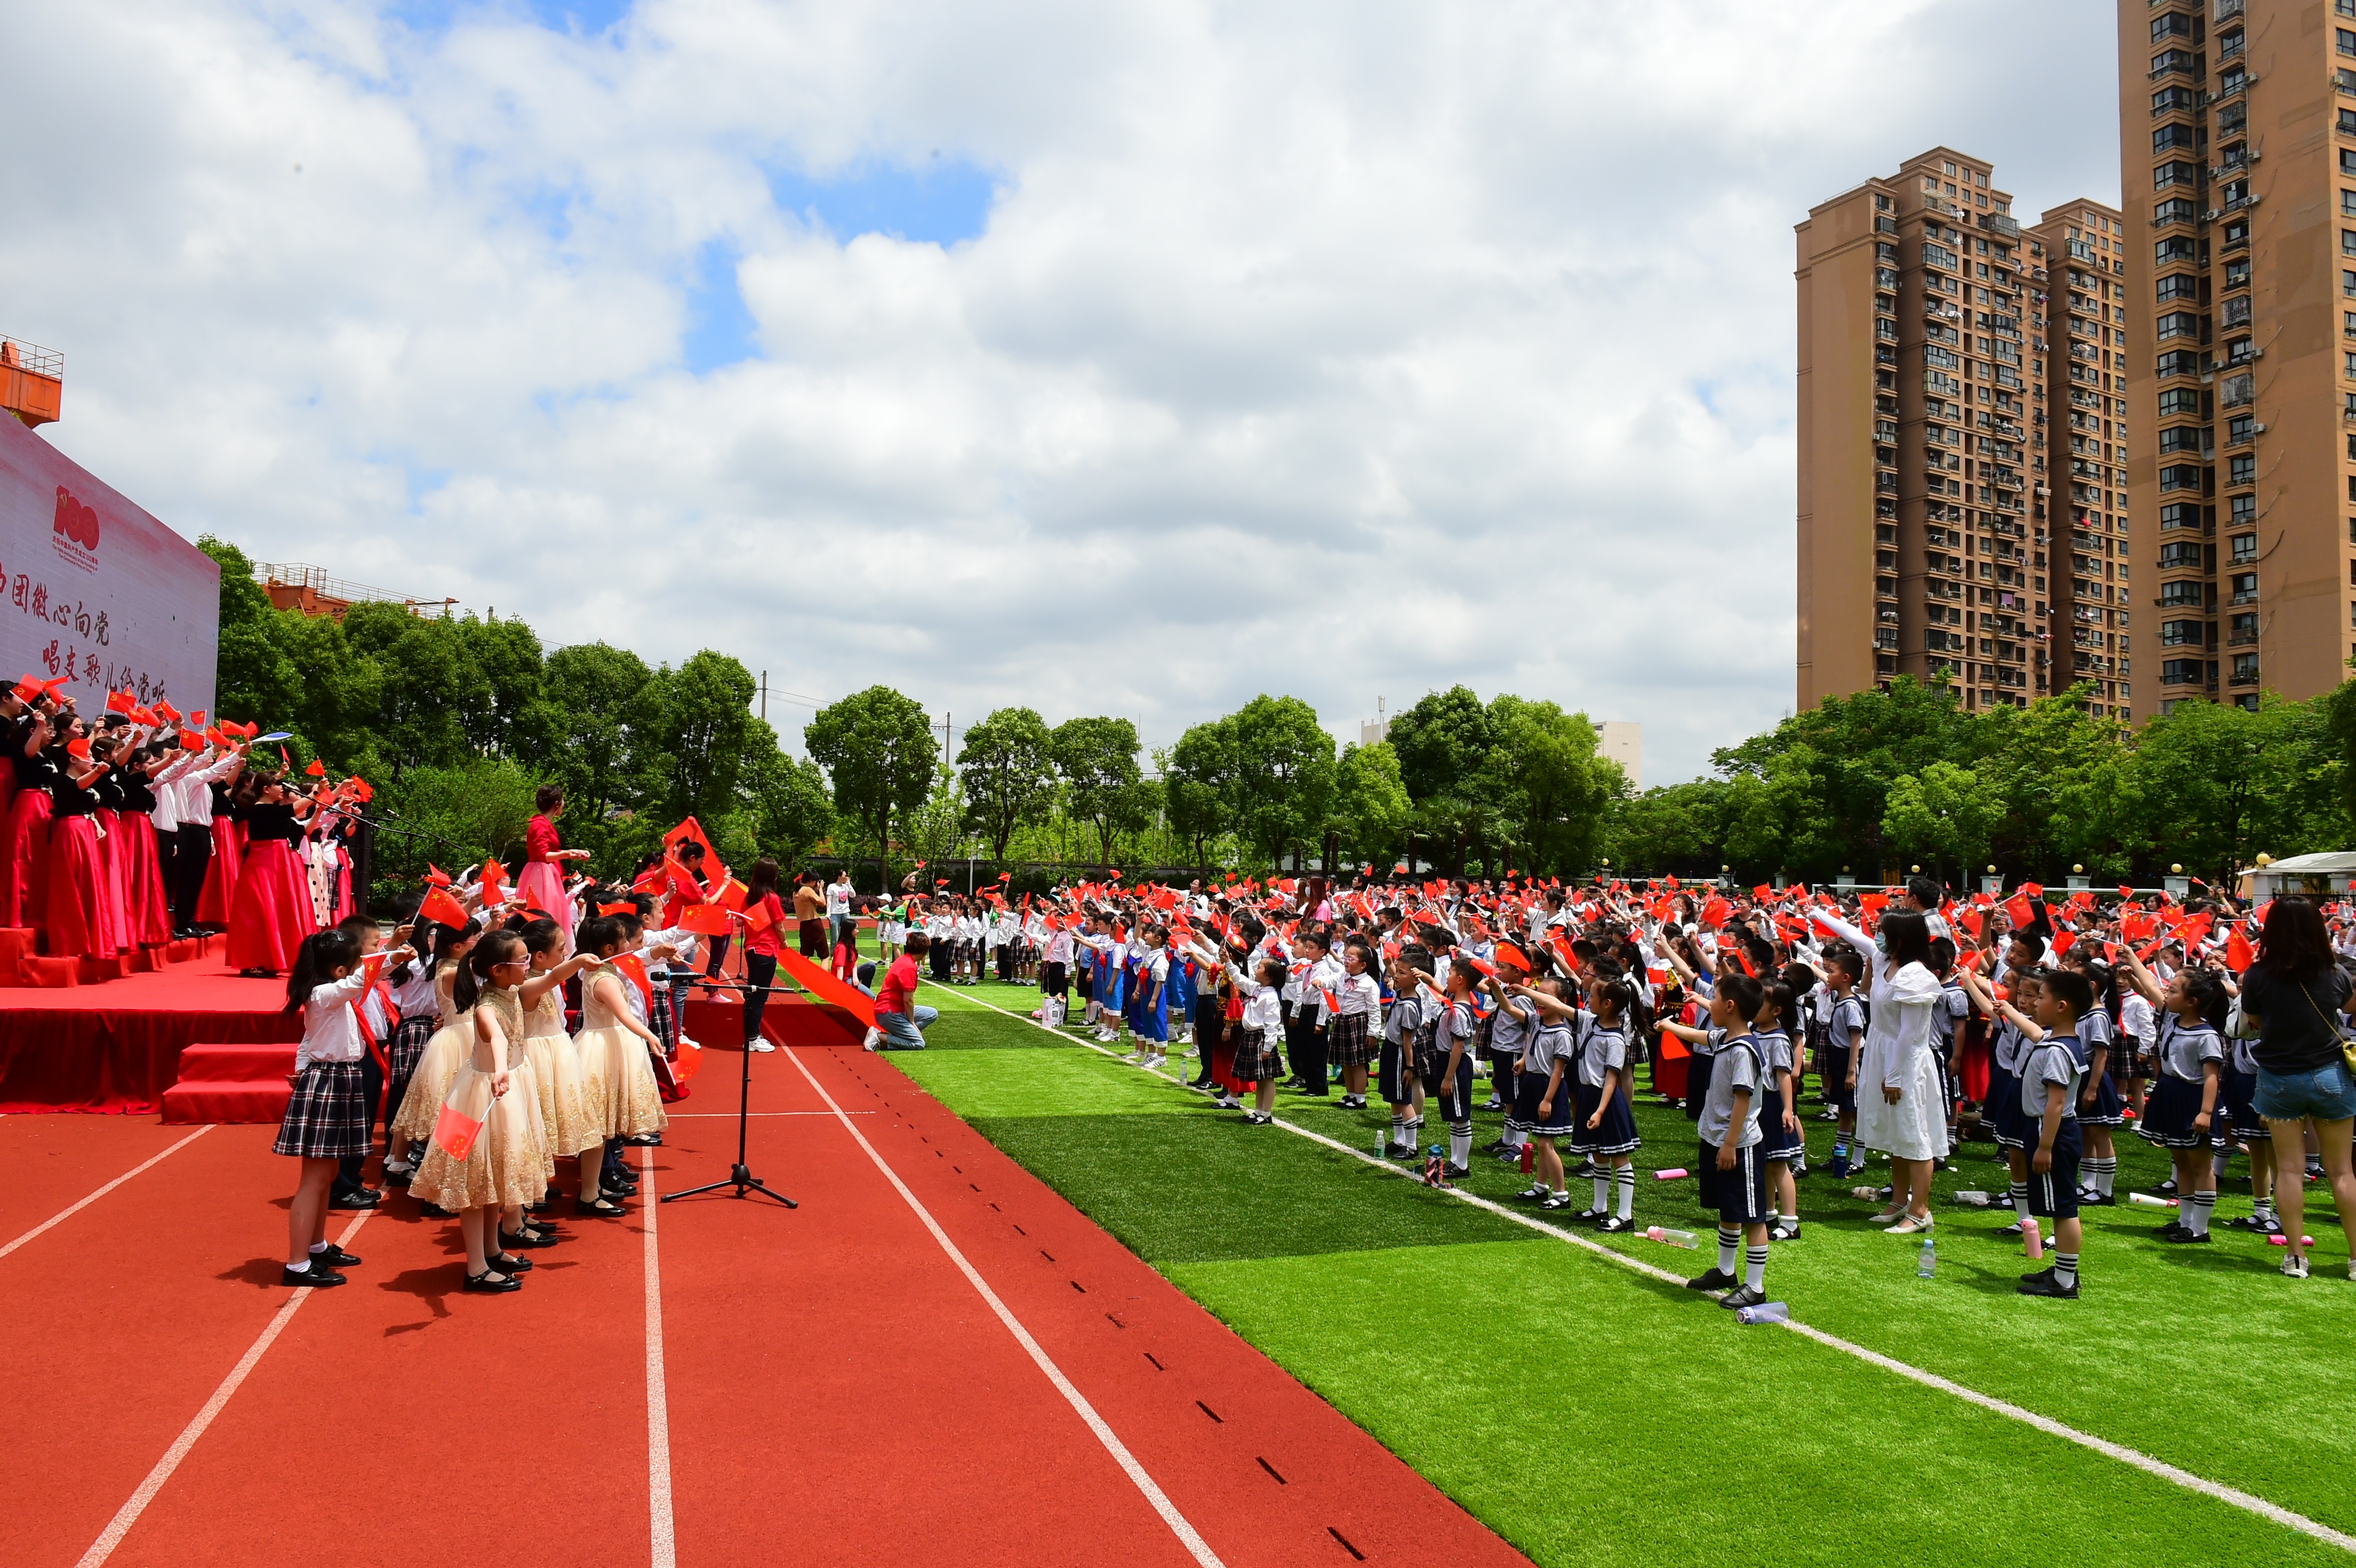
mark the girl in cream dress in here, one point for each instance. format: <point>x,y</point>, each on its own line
<point>618,1092</point>
<point>429,1082</point>
<point>507,1164</point>
<point>564,1115</point>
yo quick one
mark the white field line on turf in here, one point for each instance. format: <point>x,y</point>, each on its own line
<point>2045,1424</point>
<point>1187,1535</point>
<point>659,1514</point>
<point>128,1514</point>
<point>67,1213</point>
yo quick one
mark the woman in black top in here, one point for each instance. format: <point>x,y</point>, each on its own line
<point>24,868</point>
<point>76,921</point>
<point>2296,996</point>
<point>146,898</point>
<point>272,913</point>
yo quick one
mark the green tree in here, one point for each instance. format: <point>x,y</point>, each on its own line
<point>583,730</point>
<point>1282,774</point>
<point>1008,768</point>
<point>1443,743</point>
<point>1545,775</point>
<point>2221,784</point>
<point>1370,803</point>
<point>1197,779</point>
<point>791,813</point>
<point>878,751</point>
<point>254,677</point>
<point>1673,829</point>
<point>1944,815</point>
<point>702,724</point>
<point>1098,759</point>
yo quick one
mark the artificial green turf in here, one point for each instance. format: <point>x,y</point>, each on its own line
<point>2164,1354</point>
<point>1594,1417</point>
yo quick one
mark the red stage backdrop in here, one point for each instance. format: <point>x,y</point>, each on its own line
<point>94,589</point>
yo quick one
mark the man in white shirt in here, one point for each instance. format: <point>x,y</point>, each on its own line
<point>192,836</point>
<point>837,911</point>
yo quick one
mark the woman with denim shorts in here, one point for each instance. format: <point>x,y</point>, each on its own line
<point>2296,996</point>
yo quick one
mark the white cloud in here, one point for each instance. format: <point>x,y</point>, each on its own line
<point>1346,350</point>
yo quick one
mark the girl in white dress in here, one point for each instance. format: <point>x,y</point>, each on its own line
<point>504,1168</point>
<point>429,1081</point>
<point>1898,1083</point>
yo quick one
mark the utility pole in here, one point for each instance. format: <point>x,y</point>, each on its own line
<point>764,696</point>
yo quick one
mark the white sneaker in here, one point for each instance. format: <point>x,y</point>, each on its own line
<point>759,1045</point>
<point>874,1037</point>
<point>1155,1063</point>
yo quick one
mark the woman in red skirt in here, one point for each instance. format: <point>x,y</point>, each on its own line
<point>24,849</point>
<point>272,912</point>
<point>220,891</point>
<point>77,903</point>
<point>146,902</point>
<point>115,921</point>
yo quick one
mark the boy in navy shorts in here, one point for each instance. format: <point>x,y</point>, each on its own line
<point>1733,1177</point>
<point>2051,1073</point>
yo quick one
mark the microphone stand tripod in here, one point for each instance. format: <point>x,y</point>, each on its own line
<point>740,1175</point>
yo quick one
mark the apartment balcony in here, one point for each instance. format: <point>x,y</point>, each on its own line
<point>2229,9</point>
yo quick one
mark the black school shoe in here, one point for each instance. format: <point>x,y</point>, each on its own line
<point>333,1256</point>
<point>2042,1284</point>
<point>355,1197</point>
<point>317,1277</point>
<point>2182,1236</point>
<point>1455,1172</point>
<point>482,1284</point>
<point>1713,1278</point>
<point>1742,1295</point>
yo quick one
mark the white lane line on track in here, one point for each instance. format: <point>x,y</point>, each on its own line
<point>1187,1535</point>
<point>731,1116</point>
<point>2248,1501</point>
<point>62,1215</point>
<point>128,1514</point>
<point>661,1533</point>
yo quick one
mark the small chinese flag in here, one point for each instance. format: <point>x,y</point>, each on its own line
<point>441,908</point>
<point>2020,911</point>
<point>317,769</point>
<point>2239,953</point>
<point>625,907</point>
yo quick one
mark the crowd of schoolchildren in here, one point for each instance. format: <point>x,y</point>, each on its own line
<point>513,1042</point>
<point>2047,1026</point>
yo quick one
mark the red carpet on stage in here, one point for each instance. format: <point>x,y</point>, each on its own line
<point>115,1047</point>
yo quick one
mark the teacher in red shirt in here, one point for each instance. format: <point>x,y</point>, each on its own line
<point>900,1022</point>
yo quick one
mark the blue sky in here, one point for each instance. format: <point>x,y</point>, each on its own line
<point>1102,359</point>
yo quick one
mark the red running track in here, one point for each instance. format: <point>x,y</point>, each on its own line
<point>833,1386</point>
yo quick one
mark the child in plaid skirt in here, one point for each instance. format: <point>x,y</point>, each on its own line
<point>327,1116</point>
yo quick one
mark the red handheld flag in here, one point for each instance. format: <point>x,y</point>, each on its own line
<point>2239,953</point>
<point>317,769</point>
<point>441,908</point>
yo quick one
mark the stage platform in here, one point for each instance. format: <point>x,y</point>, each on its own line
<point>114,1047</point>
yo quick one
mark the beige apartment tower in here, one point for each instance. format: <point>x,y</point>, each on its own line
<point>1924,443</point>
<point>2241,114</point>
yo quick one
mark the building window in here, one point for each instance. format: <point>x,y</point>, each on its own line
<point>2243,587</point>
<point>2181,438</point>
<point>2179,633</point>
<point>2179,324</point>
<point>2179,672</point>
<point>2184,593</point>
<point>2242,629</point>
<point>2179,400</point>
<point>2242,470</point>
<point>2179,555</point>
<point>2180,476</point>
<point>2177,248</point>
<point>2178,286</point>
<point>2245,509</point>
<point>2245,548</point>
<point>2187,514</point>
<point>2245,670</point>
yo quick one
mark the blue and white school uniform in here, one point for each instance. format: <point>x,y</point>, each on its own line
<point>2237,1092</point>
<point>1776,1143</point>
<point>1844,1032</point>
<point>1150,1013</point>
<point>2056,1059</point>
<point>1509,1033</point>
<point>1551,1043</point>
<point>2003,1100</point>
<point>2175,1098</point>
<point>2096,1033</point>
<point>1599,1049</point>
<point>1740,1195</point>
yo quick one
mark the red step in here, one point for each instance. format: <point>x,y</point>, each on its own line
<point>230,1084</point>
<point>17,943</point>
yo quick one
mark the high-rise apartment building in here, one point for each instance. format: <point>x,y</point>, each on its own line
<point>1920,446</point>
<point>2241,464</point>
<point>2080,316</point>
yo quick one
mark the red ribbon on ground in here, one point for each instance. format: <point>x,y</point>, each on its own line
<point>821,983</point>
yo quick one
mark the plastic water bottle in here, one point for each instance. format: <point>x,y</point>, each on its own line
<point>1974,1198</point>
<point>1927,1266</point>
<point>1765,1312</point>
<point>1675,1173</point>
<point>1529,1157</point>
<point>2149,1201</point>
<point>1669,1238</point>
